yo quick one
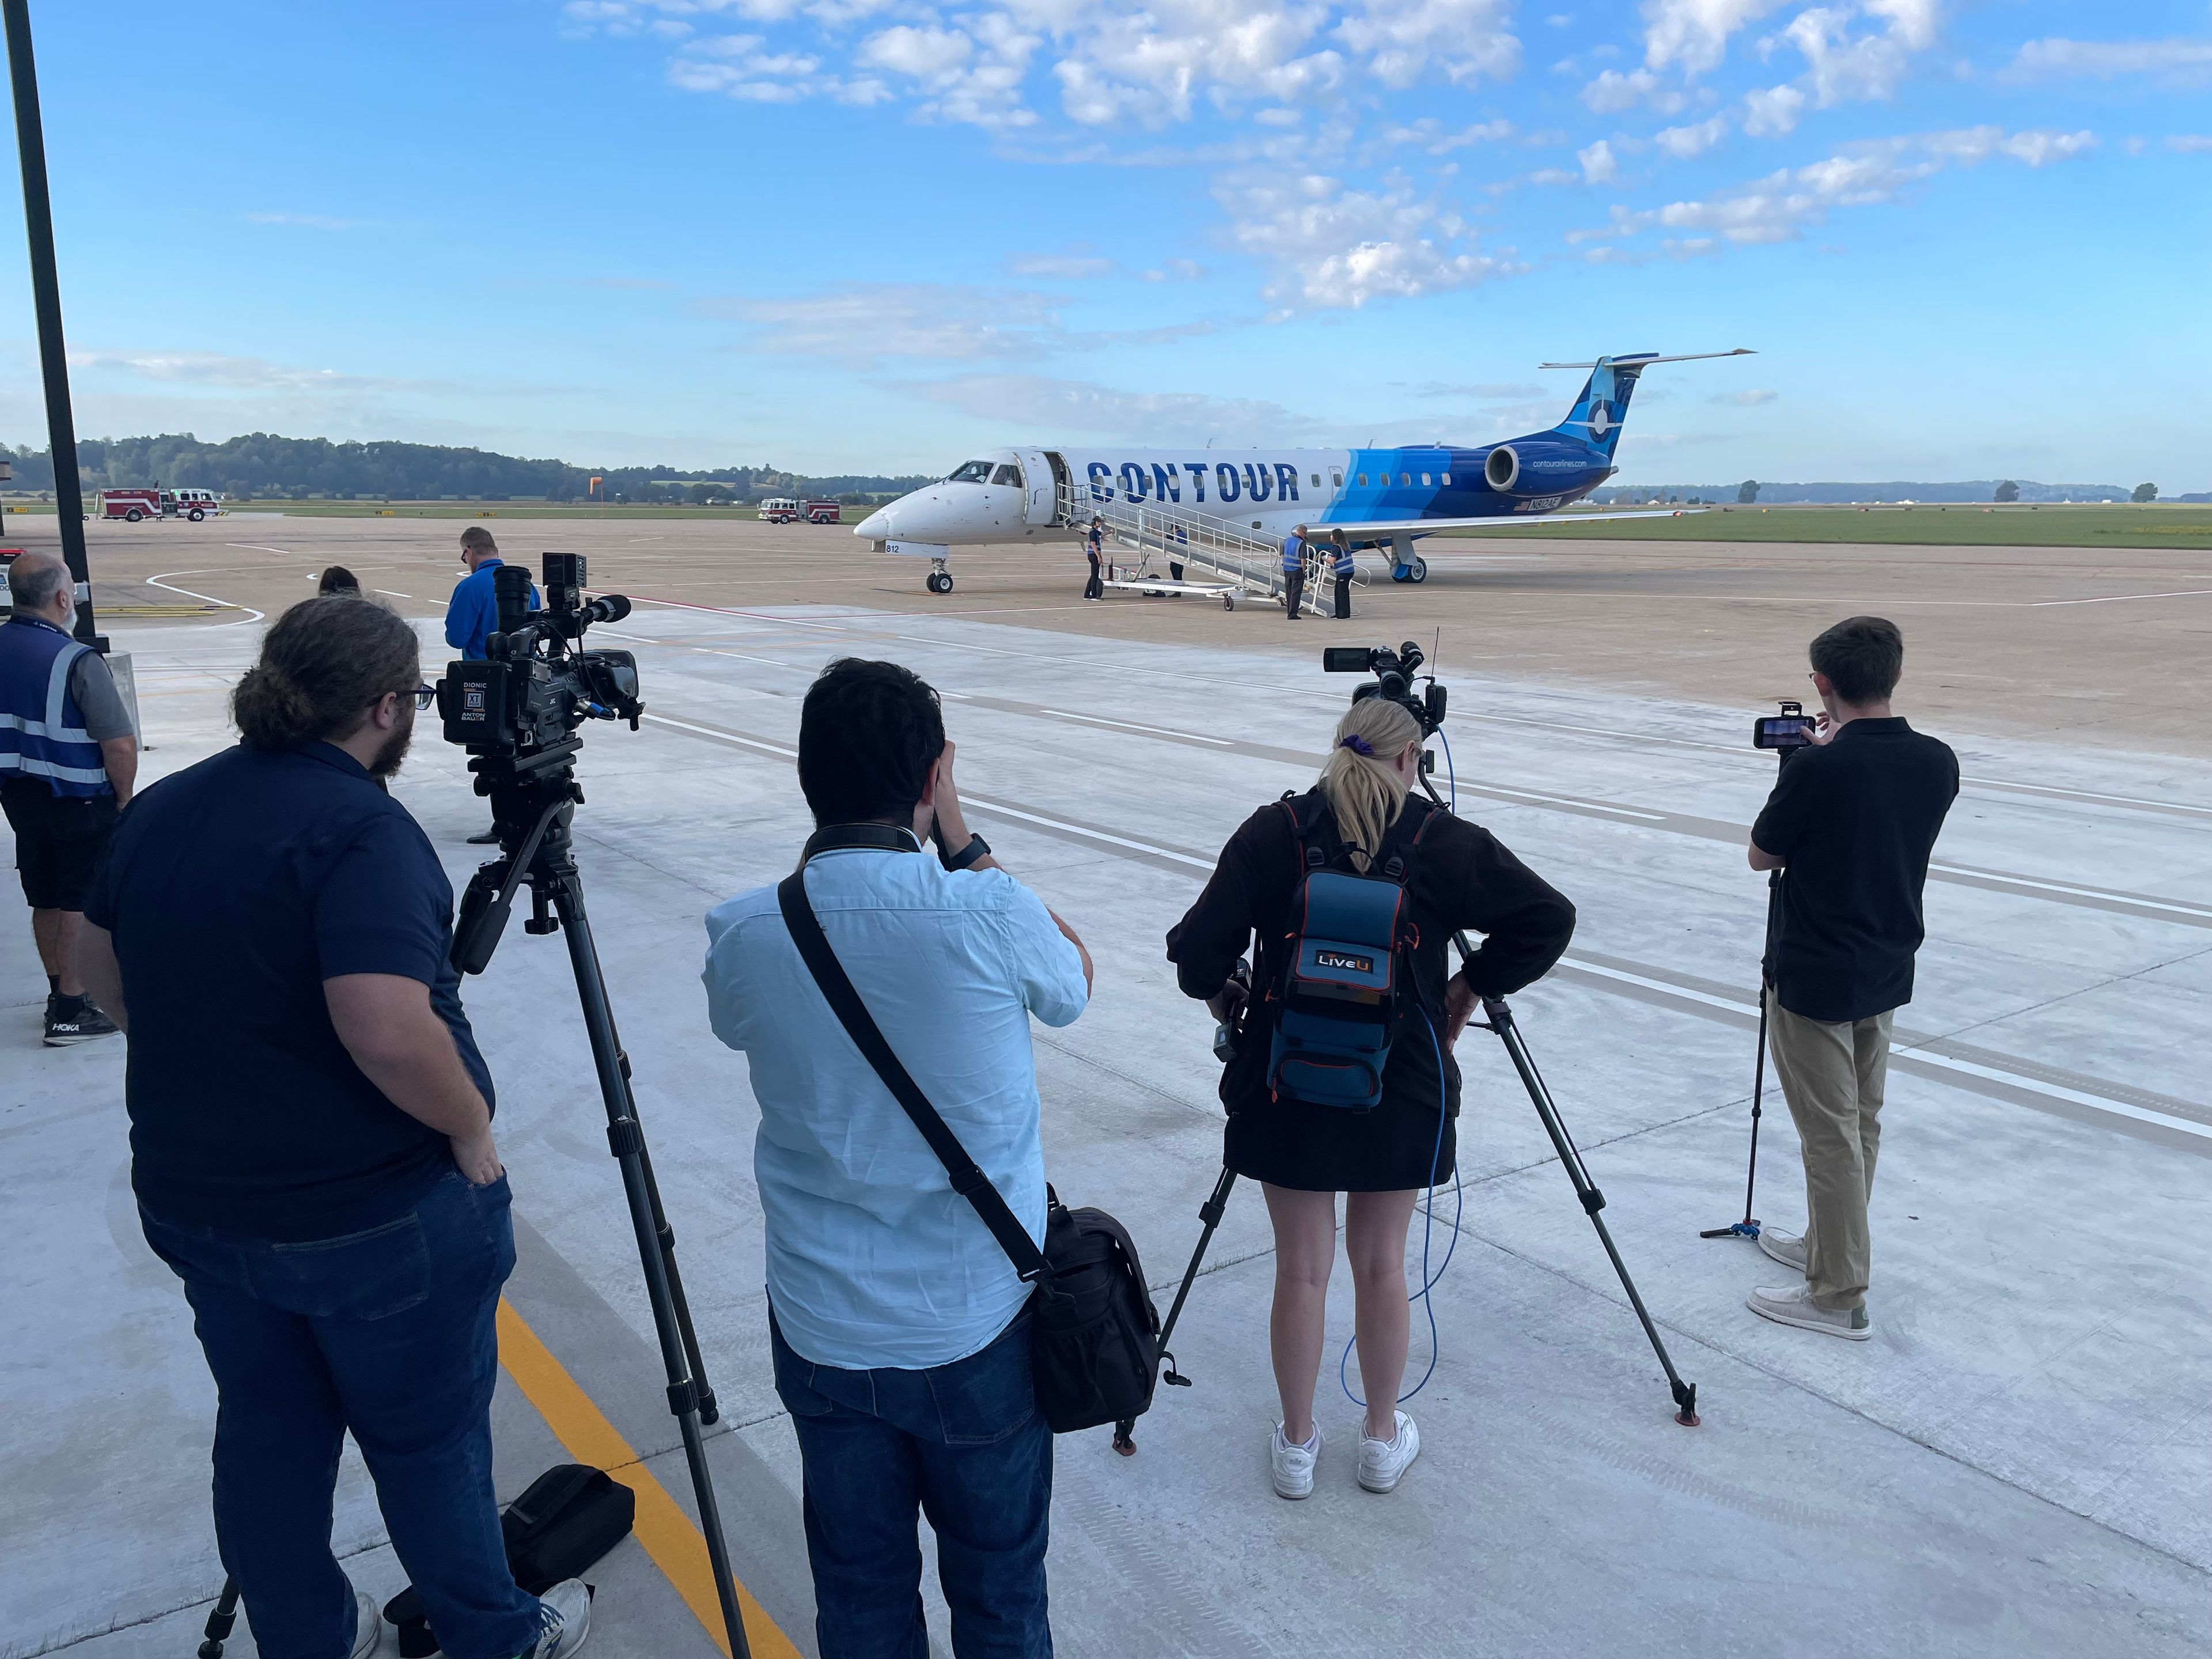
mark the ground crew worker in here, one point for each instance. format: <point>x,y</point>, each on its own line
<point>1342,566</point>
<point>1294,570</point>
<point>67,762</point>
<point>472,613</point>
<point>1093,541</point>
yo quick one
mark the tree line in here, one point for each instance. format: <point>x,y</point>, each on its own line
<point>265,465</point>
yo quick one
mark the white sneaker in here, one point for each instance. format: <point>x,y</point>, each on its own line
<point>1787,1248</point>
<point>368,1626</point>
<point>1793,1305</point>
<point>565,1613</point>
<point>1293,1465</point>
<point>1383,1463</point>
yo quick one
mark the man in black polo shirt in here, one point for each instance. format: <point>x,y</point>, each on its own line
<point>311,1142</point>
<point>1850,823</point>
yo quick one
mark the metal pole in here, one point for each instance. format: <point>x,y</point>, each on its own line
<point>47,298</point>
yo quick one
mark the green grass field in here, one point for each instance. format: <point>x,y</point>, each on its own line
<point>1962,525</point>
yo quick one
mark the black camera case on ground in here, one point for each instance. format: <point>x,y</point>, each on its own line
<point>565,1521</point>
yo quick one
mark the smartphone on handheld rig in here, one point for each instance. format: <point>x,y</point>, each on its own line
<point>1790,729</point>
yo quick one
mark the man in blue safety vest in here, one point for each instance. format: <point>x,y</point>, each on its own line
<point>1342,566</point>
<point>68,760</point>
<point>472,613</point>
<point>1294,570</point>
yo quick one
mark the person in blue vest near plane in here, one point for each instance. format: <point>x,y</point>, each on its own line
<point>67,762</point>
<point>1344,568</point>
<point>472,613</point>
<point>1294,570</point>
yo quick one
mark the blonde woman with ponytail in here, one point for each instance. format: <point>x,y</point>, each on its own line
<point>1364,816</point>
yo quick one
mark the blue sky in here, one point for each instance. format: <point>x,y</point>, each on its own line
<point>1968,240</point>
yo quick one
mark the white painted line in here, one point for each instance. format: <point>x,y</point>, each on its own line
<point>250,615</point>
<point>1088,833</point>
<point>1565,800</point>
<point>392,593</point>
<point>258,547</point>
<point>2033,1085</point>
<point>727,737</point>
<point>2130,899</point>
<point>2115,599</point>
<point>1131,726</point>
<point>2087,794</point>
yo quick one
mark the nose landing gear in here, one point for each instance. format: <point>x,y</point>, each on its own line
<point>940,579</point>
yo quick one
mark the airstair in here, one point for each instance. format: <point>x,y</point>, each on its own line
<point>1166,534</point>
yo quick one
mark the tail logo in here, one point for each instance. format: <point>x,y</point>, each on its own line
<point>1600,421</point>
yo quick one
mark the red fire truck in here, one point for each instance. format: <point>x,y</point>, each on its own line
<point>823,512</point>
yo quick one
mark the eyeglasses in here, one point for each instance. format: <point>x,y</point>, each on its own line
<point>425,696</point>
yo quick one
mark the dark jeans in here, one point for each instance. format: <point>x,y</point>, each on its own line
<point>962,1444</point>
<point>1294,588</point>
<point>388,1333</point>
<point>1092,589</point>
<point>1343,598</point>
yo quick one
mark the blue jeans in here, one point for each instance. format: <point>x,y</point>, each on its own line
<point>388,1333</point>
<point>962,1444</point>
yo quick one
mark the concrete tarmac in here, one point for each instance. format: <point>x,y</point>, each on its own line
<point>2016,1464</point>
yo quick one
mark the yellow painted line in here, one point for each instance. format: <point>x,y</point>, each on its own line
<point>677,1546</point>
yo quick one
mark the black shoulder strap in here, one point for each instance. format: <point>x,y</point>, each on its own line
<point>970,1181</point>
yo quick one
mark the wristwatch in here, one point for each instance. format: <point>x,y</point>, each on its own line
<point>976,847</point>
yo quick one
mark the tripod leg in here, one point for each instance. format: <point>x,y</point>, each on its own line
<point>1748,1227</point>
<point>1592,1200</point>
<point>220,1620</point>
<point>1210,1214</point>
<point>627,1139</point>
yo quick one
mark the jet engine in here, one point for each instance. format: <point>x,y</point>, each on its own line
<point>1501,468</point>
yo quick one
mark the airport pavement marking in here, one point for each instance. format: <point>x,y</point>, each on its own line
<point>251,615</point>
<point>2017,1082</point>
<point>675,1545</point>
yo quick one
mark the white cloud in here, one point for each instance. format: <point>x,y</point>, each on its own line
<point>214,371</point>
<point>1428,134</point>
<point>925,53</point>
<point>1037,403</point>
<point>1780,207</point>
<point>1338,248</point>
<point>1682,143</point>
<point>1466,39</point>
<point>1773,113</point>
<point>2177,58</point>
<point>1598,163</point>
<point>1845,67</point>
<point>1071,265</point>
<point>1174,270</point>
<point>1693,34</point>
<point>1613,91</point>
<point>973,78</point>
<point>1488,392</point>
<point>865,322</point>
<point>2189,143</point>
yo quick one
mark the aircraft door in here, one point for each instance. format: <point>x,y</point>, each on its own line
<point>1044,476</point>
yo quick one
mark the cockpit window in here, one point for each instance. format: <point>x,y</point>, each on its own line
<point>972,472</point>
<point>1007,474</point>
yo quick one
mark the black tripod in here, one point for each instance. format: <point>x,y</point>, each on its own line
<point>1500,1020</point>
<point>1748,1227</point>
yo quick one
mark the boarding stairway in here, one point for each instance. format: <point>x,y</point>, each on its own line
<point>1171,533</point>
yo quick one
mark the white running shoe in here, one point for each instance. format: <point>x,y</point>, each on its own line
<point>565,1613</point>
<point>1787,1248</point>
<point>1383,1463</point>
<point>1793,1305</point>
<point>368,1625</point>
<point>1293,1465</point>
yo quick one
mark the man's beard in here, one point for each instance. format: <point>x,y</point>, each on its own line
<point>395,746</point>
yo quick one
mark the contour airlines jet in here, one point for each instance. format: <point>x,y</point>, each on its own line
<point>1380,496</point>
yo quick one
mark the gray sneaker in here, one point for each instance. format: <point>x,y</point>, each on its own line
<point>1793,1305</point>
<point>565,1616</point>
<point>1787,1248</point>
<point>368,1626</point>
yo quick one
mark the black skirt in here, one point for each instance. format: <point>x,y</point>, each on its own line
<point>1393,1148</point>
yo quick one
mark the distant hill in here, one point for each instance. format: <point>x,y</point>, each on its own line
<point>1783,494</point>
<point>262,463</point>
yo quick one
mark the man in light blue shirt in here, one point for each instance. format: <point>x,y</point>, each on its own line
<point>899,1327</point>
<point>472,613</point>
<point>1294,570</point>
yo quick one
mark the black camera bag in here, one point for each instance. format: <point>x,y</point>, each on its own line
<point>1094,1331</point>
<point>558,1529</point>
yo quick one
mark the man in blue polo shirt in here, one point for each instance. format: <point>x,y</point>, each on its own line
<point>472,613</point>
<point>1294,570</point>
<point>311,1142</point>
<point>899,1328</point>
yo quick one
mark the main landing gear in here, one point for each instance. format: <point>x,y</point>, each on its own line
<point>940,579</point>
<point>1417,571</point>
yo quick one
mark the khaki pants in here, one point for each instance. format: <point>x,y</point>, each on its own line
<point>1832,1077</point>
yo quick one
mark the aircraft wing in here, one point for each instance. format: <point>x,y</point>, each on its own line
<point>1501,522</point>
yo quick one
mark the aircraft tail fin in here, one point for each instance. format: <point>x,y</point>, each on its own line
<point>1597,416</point>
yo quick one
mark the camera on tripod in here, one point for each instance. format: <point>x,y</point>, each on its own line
<point>1394,672</point>
<point>523,704</point>
<point>1791,729</point>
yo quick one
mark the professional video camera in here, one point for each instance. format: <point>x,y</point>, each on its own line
<point>521,707</point>
<point>1394,672</point>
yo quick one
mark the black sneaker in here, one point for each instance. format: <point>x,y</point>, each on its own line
<point>74,1019</point>
<point>488,838</point>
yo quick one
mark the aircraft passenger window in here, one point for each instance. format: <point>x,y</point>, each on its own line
<point>1006,475</point>
<point>1363,481</point>
<point>1425,477</point>
<point>1406,478</point>
<point>1336,480</point>
<point>973,472</point>
<point>1316,482</point>
<point>1445,478</point>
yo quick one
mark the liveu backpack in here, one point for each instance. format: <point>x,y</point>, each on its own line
<point>1343,980</point>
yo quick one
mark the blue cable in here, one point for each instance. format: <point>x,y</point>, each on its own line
<point>1428,1221</point>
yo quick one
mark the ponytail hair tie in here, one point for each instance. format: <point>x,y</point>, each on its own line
<point>1357,745</point>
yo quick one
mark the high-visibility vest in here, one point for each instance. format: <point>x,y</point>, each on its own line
<point>1294,556</point>
<point>1345,568</point>
<point>42,731</point>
